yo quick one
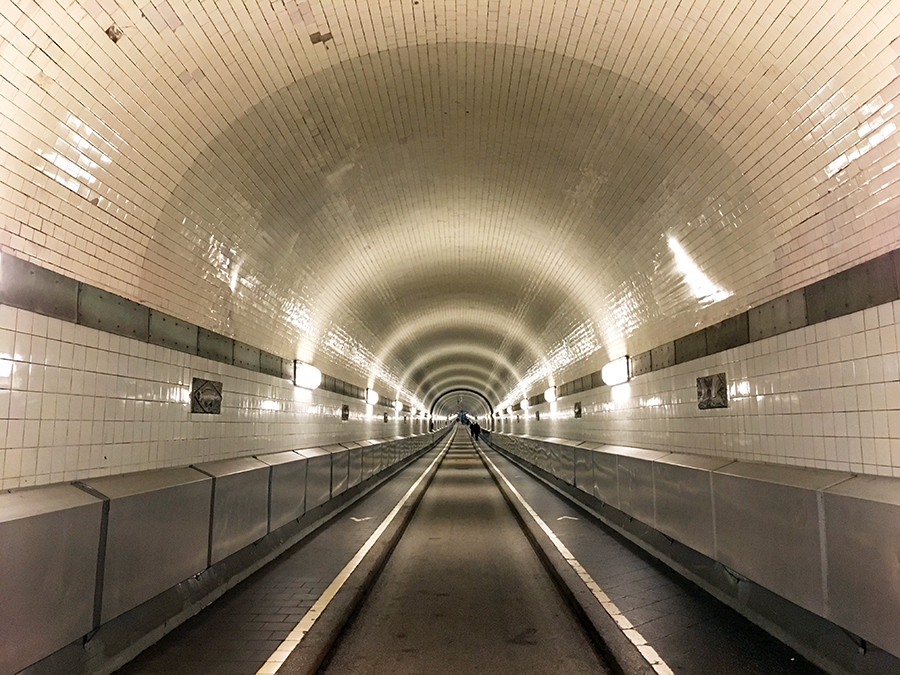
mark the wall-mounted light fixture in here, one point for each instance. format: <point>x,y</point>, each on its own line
<point>523,404</point>
<point>306,376</point>
<point>550,395</point>
<point>413,411</point>
<point>616,372</point>
<point>371,396</point>
<point>398,405</point>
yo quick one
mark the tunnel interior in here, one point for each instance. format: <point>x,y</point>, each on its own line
<point>234,230</point>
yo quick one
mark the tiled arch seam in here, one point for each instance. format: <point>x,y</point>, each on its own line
<point>28,286</point>
<point>869,284</point>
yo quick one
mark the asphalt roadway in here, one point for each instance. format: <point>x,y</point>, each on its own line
<point>463,592</point>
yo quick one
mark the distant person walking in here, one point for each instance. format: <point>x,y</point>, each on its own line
<point>476,431</point>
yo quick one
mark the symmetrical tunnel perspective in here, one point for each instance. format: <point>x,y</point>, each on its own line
<point>434,208</point>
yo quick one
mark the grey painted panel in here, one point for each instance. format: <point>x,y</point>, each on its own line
<point>368,461</point>
<point>287,369</point>
<point>636,488</point>
<point>778,316</point>
<point>354,467</point>
<point>663,356</point>
<point>271,364</point>
<point>642,363</point>
<point>145,554</point>
<point>690,347</point>
<point>240,504</point>
<point>862,519</point>
<point>167,331</point>
<point>866,285</point>
<point>287,492</point>
<point>340,471</point>
<point>246,356</point>
<point>552,458</point>
<point>25,285</point>
<point>684,505</point>
<point>769,532</point>
<point>112,313</point>
<point>47,578</point>
<point>318,480</point>
<point>728,334</point>
<point>606,477</point>
<point>213,346</point>
<point>566,470</point>
<point>391,453</point>
<point>379,456</point>
<point>810,479</point>
<point>584,470</point>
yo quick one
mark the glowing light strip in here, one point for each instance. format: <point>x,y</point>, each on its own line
<point>648,652</point>
<point>289,644</point>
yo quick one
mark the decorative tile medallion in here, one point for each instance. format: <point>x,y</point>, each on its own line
<point>712,391</point>
<point>206,397</point>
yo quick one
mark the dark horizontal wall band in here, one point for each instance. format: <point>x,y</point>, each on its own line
<point>869,284</point>
<point>27,286</point>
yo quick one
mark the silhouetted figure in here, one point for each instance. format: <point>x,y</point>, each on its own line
<point>476,430</point>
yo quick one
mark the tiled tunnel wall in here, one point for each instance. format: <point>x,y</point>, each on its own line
<point>826,396</point>
<point>77,402</point>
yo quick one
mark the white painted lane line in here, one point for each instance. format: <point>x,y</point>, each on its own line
<point>280,655</point>
<point>622,622</point>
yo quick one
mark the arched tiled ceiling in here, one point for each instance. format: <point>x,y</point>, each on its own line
<point>462,399</point>
<point>441,378</point>
<point>557,183</point>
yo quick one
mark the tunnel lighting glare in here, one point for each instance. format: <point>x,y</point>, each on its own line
<point>398,406</point>
<point>270,405</point>
<point>616,372</point>
<point>509,410</point>
<point>371,396</point>
<point>307,376</point>
<point>701,286</point>
<point>413,411</point>
<point>550,395</point>
<point>523,404</point>
<point>621,392</point>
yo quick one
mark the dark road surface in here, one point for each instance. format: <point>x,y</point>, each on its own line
<point>464,592</point>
